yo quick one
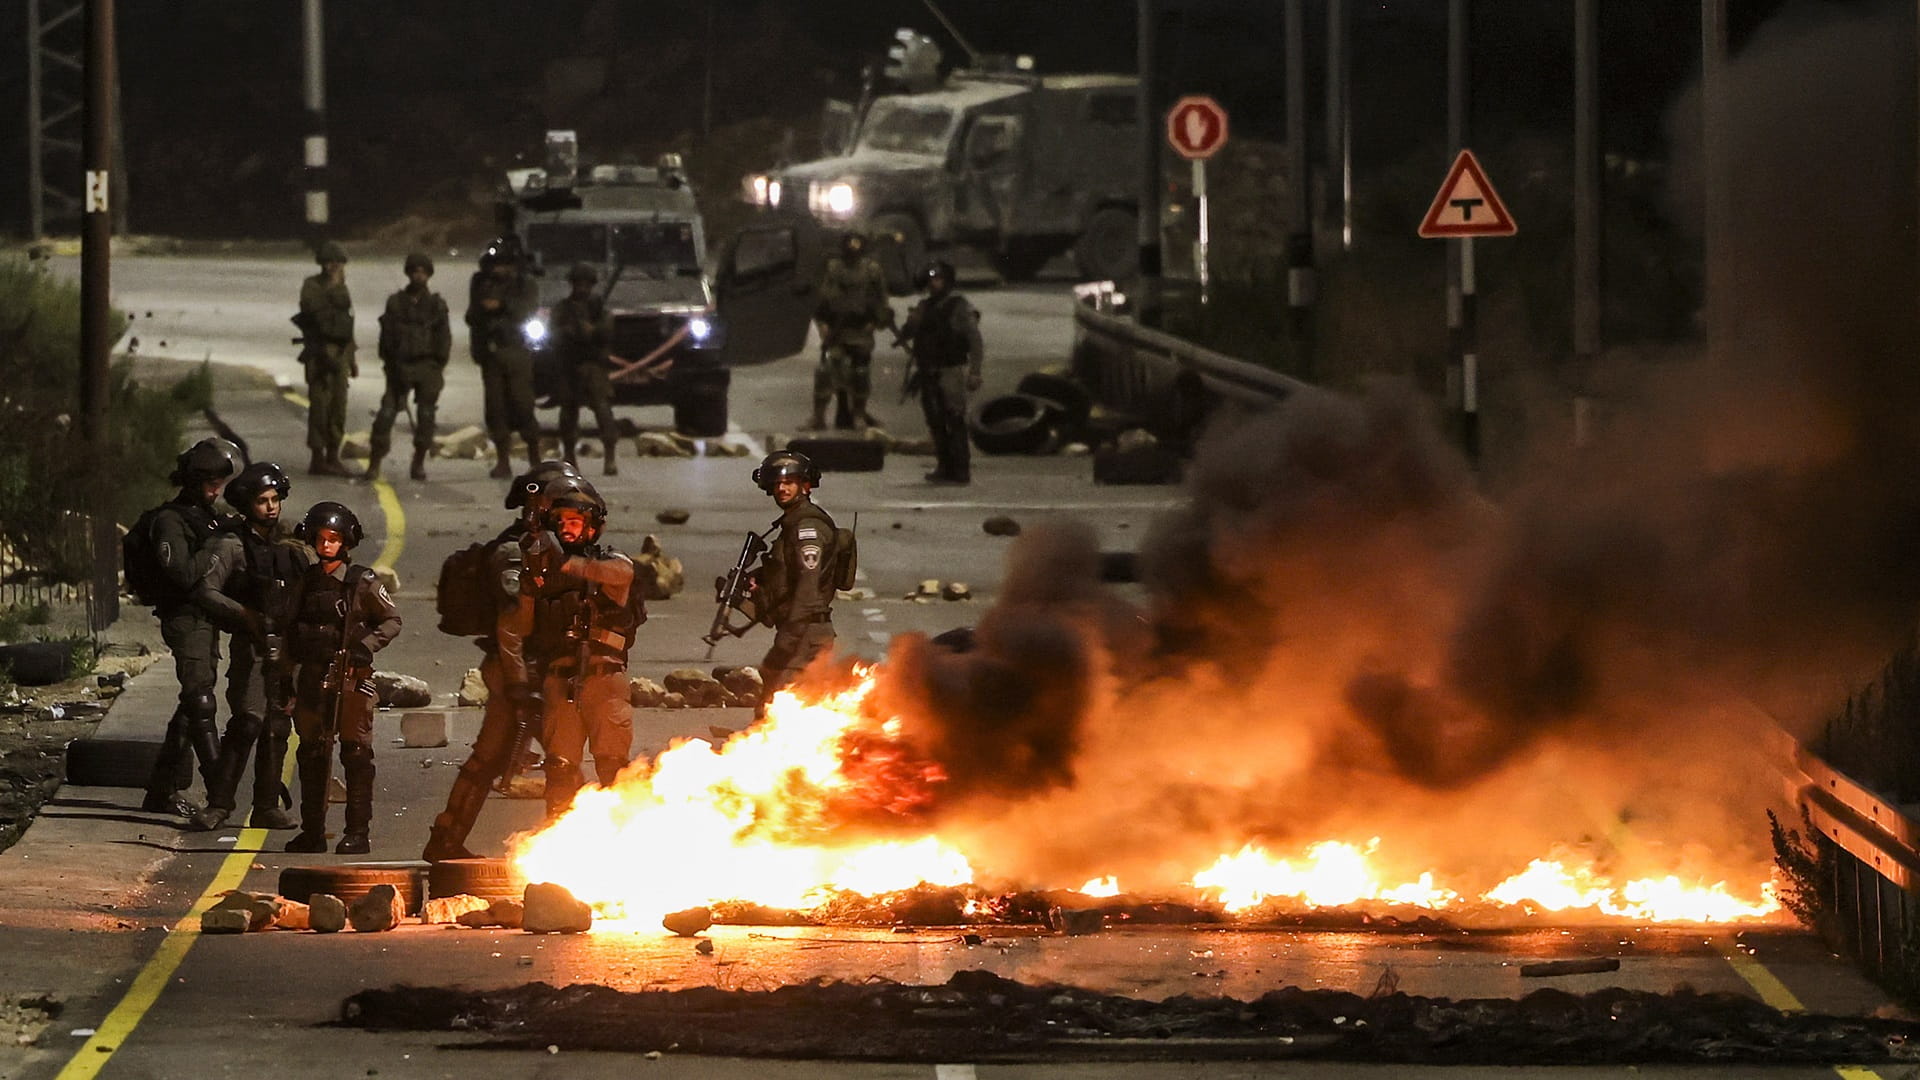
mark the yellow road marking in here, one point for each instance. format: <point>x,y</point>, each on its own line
<point>297,398</point>
<point>1856,1072</point>
<point>1764,982</point>
<point>396,541</point>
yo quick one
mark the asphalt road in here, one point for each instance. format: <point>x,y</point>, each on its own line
<point>96,893</point>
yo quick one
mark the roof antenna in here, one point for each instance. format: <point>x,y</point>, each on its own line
<point>973,57</point>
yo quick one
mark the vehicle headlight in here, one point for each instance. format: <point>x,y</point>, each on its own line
<point>773,193</point>
<point>700,328</point>
<point>840,199</point>
<point>757,189</point>
<point>534,330</point>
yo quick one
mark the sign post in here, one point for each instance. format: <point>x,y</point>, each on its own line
<point>1197,129</point>
<point>1467,207</point>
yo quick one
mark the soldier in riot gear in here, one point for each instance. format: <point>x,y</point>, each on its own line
<point>342,616</point>
<point>327,353</point>
<point>494,745</point>
<point>501,299</point>
<point>582,331</point>
<point>248,574</point>
<point>943,333</point>
<point>853,304</point>
<point>578,611</point>
<point>175,533</point>
<point>414,345</point>
<point>793,589</point>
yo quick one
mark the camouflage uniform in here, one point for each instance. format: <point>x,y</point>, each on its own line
<point>853,304</point>
<point>326,312</point>
<point>415,342</point>
<point>180,531</point>
<point>582,330</point>
<point>944,332</point>
<point>319,715</point>
<point>506,366</point>
<point>795,591</point>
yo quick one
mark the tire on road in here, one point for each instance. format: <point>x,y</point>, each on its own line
<point>351,881</point>
<point>1070,399</point>
<point>700,406</point>
<point>1013,424</point>
<point>1109,248</point>
<point>111,762</point>
<point>488,879</point>
<point>901,249</point>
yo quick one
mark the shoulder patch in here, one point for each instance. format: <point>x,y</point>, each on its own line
<point>810,556</point>
<point>807,532</point>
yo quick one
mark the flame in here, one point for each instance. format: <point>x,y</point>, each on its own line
<point>1101,886</point>
<point>1333,874</point>
<point>1549,886</point>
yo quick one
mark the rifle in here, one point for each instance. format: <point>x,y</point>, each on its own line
<point>733,591</point>
<point>582,632</point>
<point>339,676</point>
<point>520,756</point>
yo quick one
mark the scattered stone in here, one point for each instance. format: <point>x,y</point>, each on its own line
<point>588,450</point>
<point>728,448</point>
<point>380,909</point>
<point>861,593</point>
<point>644,693</point>
<point>930,587</point>
<point>468,444</point>
<point>326,913</point>
<point>1076,921</point>
<point>1593,965</point>
<point>551,909</point>
<point>294,915</point>
<point>659,444</point>
<point>402,691</point>
<point>508,913</point>
<point>473,689</point>
<point>355,446</point>
<point>704,946</point>
<point>225,921</point>
<point>956,590</point>
<point>660,574</point>
<point>1135,439</point>
<point>261,909</point>
<point>689,922</point>
<point>741,682</point>
<point>911,447</point>
<point>526,786</point>
<point>701,690</point>
<point>448,909</point>
<point>389,578</point>
<point>1076,449</point>
<point>1000,525</point>
<point>671,700</point>
<point>419,730</point>
<point>672,517</point>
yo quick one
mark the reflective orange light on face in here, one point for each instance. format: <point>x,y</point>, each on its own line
<point>329,545</point>
<point>571,525</point>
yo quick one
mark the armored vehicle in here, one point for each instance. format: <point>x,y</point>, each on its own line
<point>678,331</point>
<point>1020,166</point>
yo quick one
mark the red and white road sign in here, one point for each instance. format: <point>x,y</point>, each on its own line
<point>1467,204</point>
<point>1197,126</point>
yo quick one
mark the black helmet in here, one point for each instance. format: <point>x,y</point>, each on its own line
<point>208,459</point>
<point>937,268</point>
<point>584,498</point>
<point>502,249</point>
<point>330,515</point>
<point>329,252</point>
<point>418,259</point>
<point>533,483</point>
<point>254,479</point>
<point>853,243</point>
<point>785,465</point>
<point>583,271</point>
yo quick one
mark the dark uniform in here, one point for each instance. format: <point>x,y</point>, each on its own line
<point>567,643</point>
<point>853,304</point>
<point>501,298</point>
<point>944,334</point>
<point>326,320</point>
<point>334,697</point>
<point>794,587</point>
<point>178,530</point>
<point>582,329</point>
<point>415,342</point>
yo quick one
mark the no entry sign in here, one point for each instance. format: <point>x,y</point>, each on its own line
<point>1197,127</point>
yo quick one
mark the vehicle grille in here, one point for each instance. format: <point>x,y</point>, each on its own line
<point>634,336</point>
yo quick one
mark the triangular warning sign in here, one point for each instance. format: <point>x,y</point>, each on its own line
<point>1467,204</point>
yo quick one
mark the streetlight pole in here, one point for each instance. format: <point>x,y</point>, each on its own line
<point>1146,304</point>
<point>1586,213</point>
<point>1713,159</point>
<point>1463,374</point>
<point>1300,283</point>
<point>1339,124</point>
<point>96,239</point>
<point>315,144</point>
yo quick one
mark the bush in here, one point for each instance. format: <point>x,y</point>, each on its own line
<point>45,476</point>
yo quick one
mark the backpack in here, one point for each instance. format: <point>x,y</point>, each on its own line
<point>465,594</point>
<point>140,561</point>
<point>846,558</point>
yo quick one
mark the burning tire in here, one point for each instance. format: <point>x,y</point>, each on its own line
<point>488,879</point>
<point>1013,424</point>
<point>352,881</point>
<point>111,762</point>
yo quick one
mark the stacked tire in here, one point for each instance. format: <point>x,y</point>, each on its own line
<point>1044,411</point>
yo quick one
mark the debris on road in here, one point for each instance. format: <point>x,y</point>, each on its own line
<point>551,909</point>
<point>262,910</point>
<point>689,922</point>
<point>1000,525</point>
<point>660,574</point>
<point>1593,965</point>
<point>473,689</point>
<point>644,693</point>
<point>225,921</point>
<point>663,444</point>
<point>701,690</point>
<point>956,590</point>
<point>464,444</point>
<point>401,691</point>
<point>423,730</point>
<point>674,516</point>
<point>743,683</point>
<point>326,913</point>
<point>449,909</point>
<point>380,909</point>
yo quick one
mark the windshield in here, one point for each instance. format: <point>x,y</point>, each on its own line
<point>906,128</point>
<point>563,245</point>
<point>659,244</point>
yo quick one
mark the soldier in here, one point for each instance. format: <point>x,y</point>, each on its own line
<point>326,325</point>
<point>582,330</point>
<point>853,304</point>
<point>414,345</point>
<point>793,589</point>
<point>566,645</point>
<point>342,616</point>
<point>944,335</point>
<point>173,535</point>
<point>249,572</point>
<point>494,745</point>
<point>501,298</point>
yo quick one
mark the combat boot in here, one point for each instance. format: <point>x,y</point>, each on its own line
<point>818,421</point>
<point>334,466</point>
<point>316,767</point>
<point>317,464</point>
<point>418,470</point>
<point>372,475</point>
<point>445,841</point>
<point>612,467</point>
<point>357,761</point>
<point>208,819</point>
<point>502,466</point>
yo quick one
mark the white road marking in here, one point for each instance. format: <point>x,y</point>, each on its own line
<point>954,1072</point>
<point>944,505</point>
<point>879,638</point>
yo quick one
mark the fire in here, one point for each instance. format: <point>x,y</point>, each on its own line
<point>783,815</point>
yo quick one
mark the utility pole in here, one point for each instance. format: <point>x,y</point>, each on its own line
<point>1339,124</point>
<point>1463,374</point>
<point>1300,283</point>
<point>1586,214</point>
<point>1146,302</point>
<point>313,41</point>
<point>96,239</point>
<point>1720,285</point>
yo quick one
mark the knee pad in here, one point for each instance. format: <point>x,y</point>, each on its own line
<point>356,753</point>
<point>277,725</point>
<point>245,727</point>
<point>199,705</point>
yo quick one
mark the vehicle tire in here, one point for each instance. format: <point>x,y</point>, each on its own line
<point>111,762</point>
<point>1070,399</point>
<point>488,879</point>
<point>352,881</point>
<point>700,407</point>
<point>901,248</point>
<point>1022,260</point>
<point>1109,248</point>
<point>1013,424</point>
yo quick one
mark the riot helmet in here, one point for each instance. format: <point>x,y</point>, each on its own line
<point>418,260</point>
<point>583,272</point>
<point>586,500</point>
<point>786,465</point>
<point>254,479</point>
<point>330,515</point>
<point>532,483</point>
<point>937,269</point>
<point>208,459</point>
<point>853,245</point>
<point>329,252</point>
<point>503,249</point>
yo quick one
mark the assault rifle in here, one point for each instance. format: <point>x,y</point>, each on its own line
<point>339,676</point>
<point>733,590</point>
<point>525,717</point>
